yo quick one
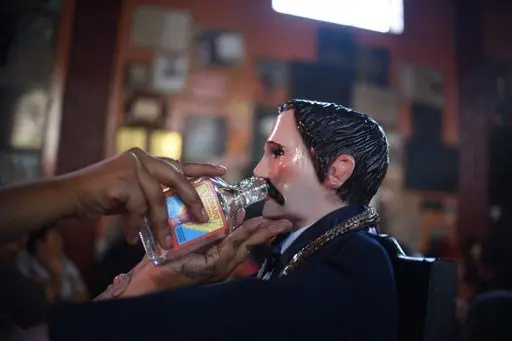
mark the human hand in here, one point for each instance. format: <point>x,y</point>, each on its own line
<point>214,265</point>
<point>131,184</point>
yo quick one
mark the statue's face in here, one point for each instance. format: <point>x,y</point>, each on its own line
<point>286,163</point>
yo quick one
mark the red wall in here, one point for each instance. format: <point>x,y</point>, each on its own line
<point>428,40</point>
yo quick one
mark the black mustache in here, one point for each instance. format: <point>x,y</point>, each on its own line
<point>274,193</point>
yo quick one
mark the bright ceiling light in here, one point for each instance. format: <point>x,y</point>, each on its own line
<point>385,16</point>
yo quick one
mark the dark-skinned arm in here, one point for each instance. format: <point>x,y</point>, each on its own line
<point>129,183</point>
<point>347,296</point>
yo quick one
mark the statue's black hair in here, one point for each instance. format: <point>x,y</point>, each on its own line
<point>329,130</point>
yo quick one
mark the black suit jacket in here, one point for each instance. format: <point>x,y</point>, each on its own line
<point>345,291</point>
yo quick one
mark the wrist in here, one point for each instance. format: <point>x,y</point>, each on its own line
<point>67,190</point>
<point>145,279</point>
<point>138,286</point>
<point>134,283</point>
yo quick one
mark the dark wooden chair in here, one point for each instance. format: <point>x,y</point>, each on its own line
<point>427,289</point>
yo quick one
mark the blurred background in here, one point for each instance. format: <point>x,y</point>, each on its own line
<point>200,80</point>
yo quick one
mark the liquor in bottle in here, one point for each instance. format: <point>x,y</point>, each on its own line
<point>222,202</point>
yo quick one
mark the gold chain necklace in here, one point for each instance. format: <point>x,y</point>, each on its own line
<point>369,217</point>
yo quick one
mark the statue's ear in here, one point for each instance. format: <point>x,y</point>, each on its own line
<point>339,171</point>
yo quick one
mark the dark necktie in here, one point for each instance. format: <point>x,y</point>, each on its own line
<point>273,261</point>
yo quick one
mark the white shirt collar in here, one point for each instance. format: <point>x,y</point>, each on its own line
<point>286,244</point>
<point>292,237</point>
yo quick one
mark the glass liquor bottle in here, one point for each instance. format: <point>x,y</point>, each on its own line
<point>222,202</point>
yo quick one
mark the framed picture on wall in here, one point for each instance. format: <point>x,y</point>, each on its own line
<point>381,103</point>
<point>204,138</point>
<point>319,81</point>
<point>336,46</point>
<point>146,109</point>
<point>158,27</point>
<point>170,73</point>
<point>177,31</point>
<point>272,80</point>
<point>217,47</point>
<point>373,65</point>
<point>422,84</point>
<point>137,75</point>
<point>146,27</point>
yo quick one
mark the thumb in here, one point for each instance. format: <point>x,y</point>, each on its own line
<point>268,231</point>
<point>262,235</point>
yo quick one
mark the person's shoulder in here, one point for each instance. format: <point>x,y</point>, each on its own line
<point>362,253</point>
<point>359,243</point>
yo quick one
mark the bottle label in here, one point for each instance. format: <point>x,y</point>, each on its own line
<point>183,227</point>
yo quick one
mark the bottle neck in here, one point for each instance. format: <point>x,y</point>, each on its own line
<point>252,190</point>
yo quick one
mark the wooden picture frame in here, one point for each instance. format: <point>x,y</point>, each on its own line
<point>146,109</point>
<point>219,47</point>
<point>170,73</point>
<point>137,75</point>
